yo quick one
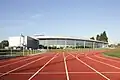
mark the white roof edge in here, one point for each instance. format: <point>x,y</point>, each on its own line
<point>36,37</point>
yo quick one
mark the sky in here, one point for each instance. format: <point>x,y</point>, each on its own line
<point>80,18</point>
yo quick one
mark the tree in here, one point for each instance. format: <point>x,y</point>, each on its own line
<point>102,37</point>
<point>98,37</point>
<point>118,44</point>
<point>0,45</point>
<point>92,38</point>
<point>4,43</point>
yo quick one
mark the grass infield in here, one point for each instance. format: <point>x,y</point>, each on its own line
<point>113,53</point>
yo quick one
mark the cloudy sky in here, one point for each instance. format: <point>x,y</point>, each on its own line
<point>81,18</point>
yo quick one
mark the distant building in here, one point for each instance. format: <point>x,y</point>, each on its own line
<point>37,41</point>
<point>27,42</point>
<point>58,41</point>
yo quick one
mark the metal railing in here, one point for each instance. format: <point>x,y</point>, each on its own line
<point>12,52</point>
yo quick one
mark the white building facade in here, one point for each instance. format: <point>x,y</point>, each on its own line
<point>26,41</point>
<point>35,42</point>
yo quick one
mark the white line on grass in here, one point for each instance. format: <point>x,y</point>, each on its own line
<point>66,70</point>
<point>107,59</point>
<point>42,67</point>
<point>103,63</point>
<point>21,66</point>
<point>91,68</point>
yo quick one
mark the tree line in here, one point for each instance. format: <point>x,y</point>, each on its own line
<point>101,37</point>
<point>4,44</point>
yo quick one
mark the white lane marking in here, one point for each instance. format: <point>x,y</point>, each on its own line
<point>19,61</point>
<point>77,55</point>
<point>22,66</point>
<point>65,73</point>
<point>13,59</point>
<point>90,72</point>
<point>67,56</point>
<point>107,59</point>
<point>36,54</point>
<point>91,68</point>
<point>42,67</point>
<point>81,54</point>
<point>66,70</point>
<point>103,63</point>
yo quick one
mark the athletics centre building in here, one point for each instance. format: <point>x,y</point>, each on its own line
<point>49,42</point>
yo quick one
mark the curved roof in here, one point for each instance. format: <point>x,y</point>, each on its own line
<point>64,37</point>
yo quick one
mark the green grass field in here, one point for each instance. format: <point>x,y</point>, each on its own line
<point>113,53</point>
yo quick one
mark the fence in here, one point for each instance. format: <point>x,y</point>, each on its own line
<point>11,52</point>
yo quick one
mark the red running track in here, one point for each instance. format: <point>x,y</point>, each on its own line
<point>73,65</point>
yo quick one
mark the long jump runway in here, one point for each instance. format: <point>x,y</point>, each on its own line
<point>90,65</point>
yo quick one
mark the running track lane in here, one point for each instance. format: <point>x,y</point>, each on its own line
<point>108,57</point>
<point>107,60</point>
<point>36,73</point>
<point>54,71</point>
<point>82,71</point>
<point>111,72</point>
<point>7,61</point>
<point>47,70</point>
<point>11,66</point>
<point>114,65</point>
<point>25,67</point>
<point>15,60</point>
<point>18,61</point>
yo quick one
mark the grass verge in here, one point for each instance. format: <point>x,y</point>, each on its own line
<point>113,53</point>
